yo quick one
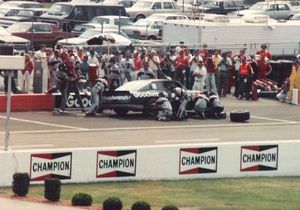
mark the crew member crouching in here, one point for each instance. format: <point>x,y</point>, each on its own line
<point>164,107</point>
<point>201,105</point>
<point>96,93</point>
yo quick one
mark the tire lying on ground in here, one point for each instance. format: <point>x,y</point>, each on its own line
<point>239,115</point>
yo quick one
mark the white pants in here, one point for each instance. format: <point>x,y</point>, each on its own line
<point>25,81</point>
<point>198,85</point>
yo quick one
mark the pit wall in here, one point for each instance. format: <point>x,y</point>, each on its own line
<point>168,162</point>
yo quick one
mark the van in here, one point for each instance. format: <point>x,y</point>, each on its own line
<point>68,14</point>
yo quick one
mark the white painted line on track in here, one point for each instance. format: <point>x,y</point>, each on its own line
<point>154,127</point>
<point>185,140</point>
<point>29,146</point>
<point>272,119</point>
<point>43,123</point>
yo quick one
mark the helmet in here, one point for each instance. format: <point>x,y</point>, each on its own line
<point>163,94</point>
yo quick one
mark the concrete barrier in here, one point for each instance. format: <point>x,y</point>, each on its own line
<point>28,102</point>
<point>170,162</point>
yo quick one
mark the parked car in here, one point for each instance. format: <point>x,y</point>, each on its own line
<point>102,21</point>
<point>90,34</point>
<point>18,42</point>
<point>276,10</point>
<point>38,33</point>
<point>23,4</point>
<point>296,16</point>
<point>69,14</point>
<point>144,8</point>
<point>9,11</point>
<point>149,28</point>
<point>25,15</point>
<point>144,29</point>
<point>222,7</point>
<point>140,94</point>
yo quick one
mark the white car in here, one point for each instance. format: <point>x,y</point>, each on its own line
<point>144,29</point>
<point>145,8</point>
<point>90,34</point>
<point>276,10</point>
<point>18,42</point>
<point>150,28</point>
<point>103,21</point>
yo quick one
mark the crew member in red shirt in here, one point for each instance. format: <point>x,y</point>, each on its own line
<point>264,52</point>
<point>181,64</point>
<point>245,72</point>
<point>26,74</point>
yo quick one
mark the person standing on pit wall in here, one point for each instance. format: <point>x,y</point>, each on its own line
<point>294,78</point>
<point>26,74</point>
<point>181,63</point>
<point>41,70</point>
<point>223,69</point>
<point>54,61</point>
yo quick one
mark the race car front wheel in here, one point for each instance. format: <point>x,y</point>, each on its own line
<point>121,111</point>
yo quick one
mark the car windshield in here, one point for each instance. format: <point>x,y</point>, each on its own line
<point>100,20</point>
<point>25,13</point>
<point>142,4</point>
<point>259,6</point>
<point>133,86</point>
<point>18,27</point>
<point>60,9</point>
<point>90,33</point>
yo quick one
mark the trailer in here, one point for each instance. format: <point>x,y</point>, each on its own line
<point>221,32</point>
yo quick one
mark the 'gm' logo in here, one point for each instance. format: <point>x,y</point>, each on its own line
<point>198,160</point>
<point>116,163</point>
<point>259,158</point>
<point>51,165</point>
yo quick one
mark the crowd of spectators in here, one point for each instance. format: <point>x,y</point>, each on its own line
<point>198,69</point>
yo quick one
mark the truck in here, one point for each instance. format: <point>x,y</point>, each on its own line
<point>222,32</point>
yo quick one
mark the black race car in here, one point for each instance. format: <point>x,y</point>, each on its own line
<point>140,94</point>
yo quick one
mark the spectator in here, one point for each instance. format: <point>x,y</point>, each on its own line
<point>223,69</point>
<point>146,72</point>
<point>181,63</point>
<point>210,77</point>
<point>264,52</point>
<point>200,75</point>
<point>154,62</point>
<point>128,66</point>
<point>115,74</point>
<point>193,62</point>
<point>137,62</point>
<point>40,83</point>
<point>204,52</point>
<point>26,74</point>
<point>216,60</point>
<point>54,61</point>
<point>167,66</point>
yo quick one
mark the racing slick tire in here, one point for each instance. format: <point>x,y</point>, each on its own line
<point>121,111</point>
<point>239,115</point>
<point>149,109</point>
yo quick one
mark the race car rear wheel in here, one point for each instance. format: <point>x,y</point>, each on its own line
<point>121,111</point>
<point>239,115</point>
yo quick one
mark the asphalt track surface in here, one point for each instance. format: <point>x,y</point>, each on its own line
<point>270,121</point>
